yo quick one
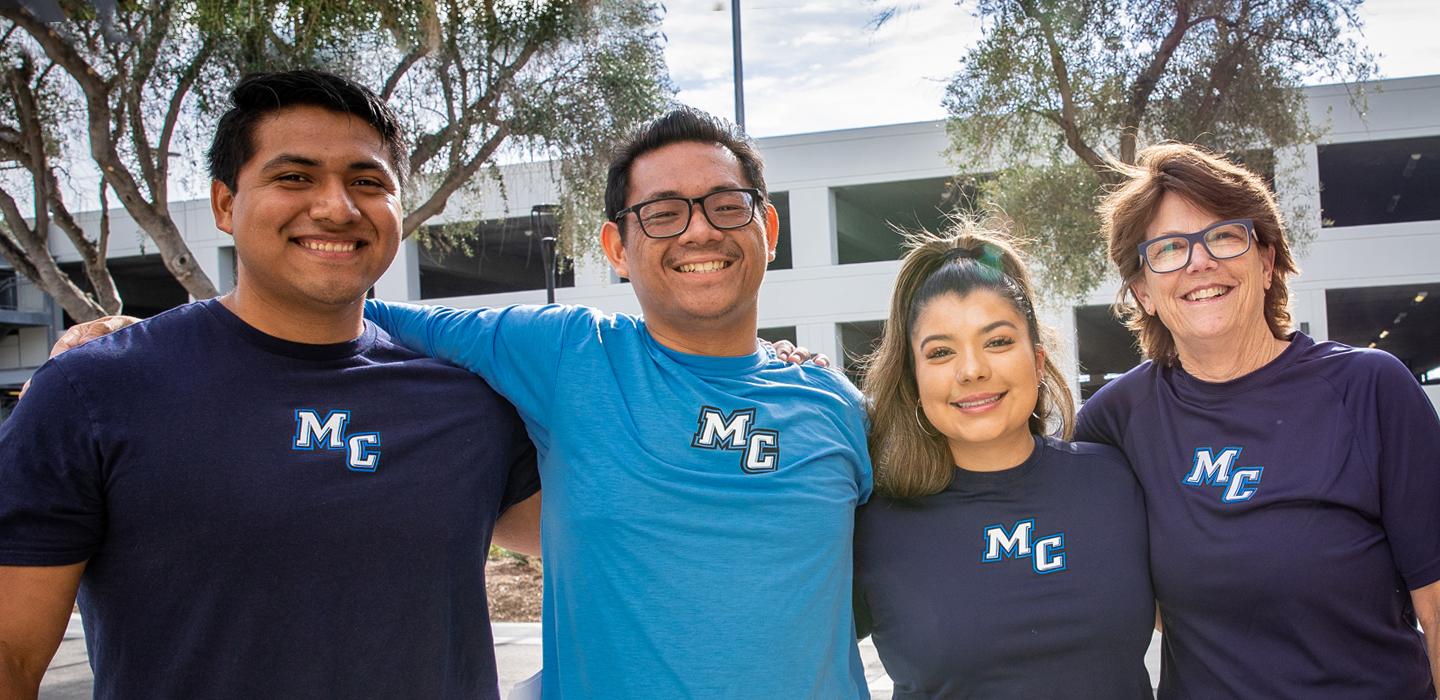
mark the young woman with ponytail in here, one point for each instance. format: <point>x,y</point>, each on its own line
<point>996,559</point>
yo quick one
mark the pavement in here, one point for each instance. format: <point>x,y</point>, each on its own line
<point>517,657</point>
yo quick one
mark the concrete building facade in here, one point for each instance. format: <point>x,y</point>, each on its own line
<point>1371,273</point>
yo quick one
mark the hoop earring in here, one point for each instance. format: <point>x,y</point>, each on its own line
<point>1039,396</point>
<point>921,423</point>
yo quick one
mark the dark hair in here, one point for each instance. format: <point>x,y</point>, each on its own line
<point>677,126</point>
<point>259,94</point>
<point>1212,184</point>
<point>913,459</point>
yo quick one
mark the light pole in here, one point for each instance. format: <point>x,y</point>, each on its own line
<point>739,64</point>
<point>542,222</point>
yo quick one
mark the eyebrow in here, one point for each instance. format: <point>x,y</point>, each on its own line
<point>285,159</point>
<point>988,327</point>
<point>675,193</point>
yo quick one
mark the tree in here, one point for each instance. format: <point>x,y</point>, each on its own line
<point>1058,91</point>
<point>118,84</point>
<point>472,80</point>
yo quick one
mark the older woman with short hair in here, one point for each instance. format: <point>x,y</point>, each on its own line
<point>1292,487</point>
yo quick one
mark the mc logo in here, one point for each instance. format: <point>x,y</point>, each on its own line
<point>362,450</point>
<point>1046,554</point>
<point>1211,470</point>
<point>736,431</point>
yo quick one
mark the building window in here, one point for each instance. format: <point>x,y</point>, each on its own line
<point>782,260</point>
<point>777,333</point>
<point>1380,182</point>
<point>867,216</point>
<point>858,339</point>
<point>145,286</point>
<point>1403,320</point>
<point>1107,348</point>
<point>500,255</point>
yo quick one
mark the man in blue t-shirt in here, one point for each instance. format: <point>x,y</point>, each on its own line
<point>262,495</point>
<point>699,494</point>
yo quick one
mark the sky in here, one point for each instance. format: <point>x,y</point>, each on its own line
<point>817,65</point>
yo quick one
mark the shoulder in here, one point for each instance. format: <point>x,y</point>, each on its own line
<point>819,382</point>
<point>1340,364</point>
<point>1087,455</point>
<point>1100,472</point>
<point>155,340</point>
<point>1136,383</point>
<point>1112,405</point>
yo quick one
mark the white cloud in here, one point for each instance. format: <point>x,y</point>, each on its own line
<point>821,65</point>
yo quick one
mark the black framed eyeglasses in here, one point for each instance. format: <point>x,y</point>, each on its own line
<point>1222,240</point>
<point>667,217</point>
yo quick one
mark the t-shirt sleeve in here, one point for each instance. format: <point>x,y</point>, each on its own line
<point>524,478</point>
<point>857,424</point>
<point>515,348</point>
<point>52,505</point>
<point>1407,440</point>
<point>1098,420</point>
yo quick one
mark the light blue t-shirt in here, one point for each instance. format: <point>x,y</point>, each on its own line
<point>698,510</point>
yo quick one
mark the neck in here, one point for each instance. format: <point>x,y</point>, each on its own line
<point>996,455</point>
<point>297,323</point>
<point>1221,360</point>
<point>732,341</point>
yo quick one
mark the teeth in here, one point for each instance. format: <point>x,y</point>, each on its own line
<point>981,402</point>
<point>712,266</point>
<point>328,246</point>
<point>1206,293</point>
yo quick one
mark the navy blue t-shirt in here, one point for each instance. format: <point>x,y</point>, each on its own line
<point>1291,512</point>
<point>1030,582</point>
<point>264,518</point>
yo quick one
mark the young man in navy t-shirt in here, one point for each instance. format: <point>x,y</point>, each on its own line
<point>262,495</point>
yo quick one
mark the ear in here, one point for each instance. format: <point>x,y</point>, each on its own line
<point>1039,364</point>
<point>222,203</point>
<point>772,230</point>
<point>1141,290</point>
<point>1267,262</point>
<point>614,248</point>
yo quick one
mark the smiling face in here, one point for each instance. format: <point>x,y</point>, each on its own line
<point>698,290</point>
<point>315,213</point>
<point>977,371</point>
<point>1208,301</point>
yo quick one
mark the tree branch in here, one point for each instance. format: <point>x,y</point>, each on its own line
<point>1145,83</point>
<point>482,108</point>
<point>1067,118</point>
<point>454,179</point>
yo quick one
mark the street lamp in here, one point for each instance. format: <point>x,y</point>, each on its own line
<point>739,65</point>
<point>542,222</point>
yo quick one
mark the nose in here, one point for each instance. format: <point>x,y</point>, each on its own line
<point>972,366</point>
<point>333,203</point>
<point>700,232</point>
<point>1200,259</point>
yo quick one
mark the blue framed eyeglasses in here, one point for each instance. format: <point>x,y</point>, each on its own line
<point>1222,240</point>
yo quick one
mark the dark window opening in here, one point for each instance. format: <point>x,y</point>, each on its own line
<point>866,216</point>
<point>1106,347</point>
<point>782,260</point>
<point>777,333</point>
<point>1380,182</point>
<point>1403,320</point>
<point>145,287</point>
<point>857,340</point>
<point>489,257</point>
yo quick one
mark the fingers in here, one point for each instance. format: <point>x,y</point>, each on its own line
<point>83,333</point>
